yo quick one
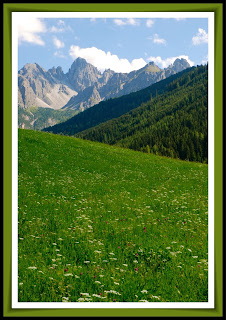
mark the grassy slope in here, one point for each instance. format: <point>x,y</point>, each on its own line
<point>95,218</point>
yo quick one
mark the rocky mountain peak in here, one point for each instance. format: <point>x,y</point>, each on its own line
<point>31,68</point>
<point>78,64</point>
<point>180,64</point>
<point>151,63</point>
<point>59,69</point>
<point>152,67</point>
<point>57,72</point>
<point>82,74</point>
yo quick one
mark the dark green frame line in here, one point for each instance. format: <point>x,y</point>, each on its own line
<point>8,8</point>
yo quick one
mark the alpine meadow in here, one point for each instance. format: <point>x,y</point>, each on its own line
<point>113,163</point>
<point>101,223</point>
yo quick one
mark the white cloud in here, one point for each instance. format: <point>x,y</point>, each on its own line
<point>105,60</point>
<point>200,37</point>
<point>164,63</point>
<point>29,29</point>
<point>129,21</point>
<point>58,43</point>
<point>158,40</point>
<point>56,29</point>
<point>59,54</point>
<point>61,27</point>
<point>149,23</point>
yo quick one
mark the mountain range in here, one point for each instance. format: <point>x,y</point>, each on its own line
<point>84,85</point>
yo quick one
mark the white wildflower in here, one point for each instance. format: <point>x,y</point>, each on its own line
<point>143,301</point>
<point>113,291</point>
<point>81,299</point>
<point>85,294</point>
<point>65,299</point>
<point>144,291</point>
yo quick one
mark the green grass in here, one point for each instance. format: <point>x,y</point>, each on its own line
<point>100,223</point>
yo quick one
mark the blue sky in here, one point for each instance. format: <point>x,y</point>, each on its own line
<point>122,44</point>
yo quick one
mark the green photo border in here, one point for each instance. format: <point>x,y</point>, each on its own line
<point>8,8</point>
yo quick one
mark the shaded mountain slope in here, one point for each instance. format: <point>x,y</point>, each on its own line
<point>172,124</point>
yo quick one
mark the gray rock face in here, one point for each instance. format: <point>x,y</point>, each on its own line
<point>82,74</point>
<point>57,73</point>
<point>180,65</point>
<point>85,99</point>
<point>41,88</point>
<point>83,85</point>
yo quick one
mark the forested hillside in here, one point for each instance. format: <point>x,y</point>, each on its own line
<point>173,123</point>
<point>113,108</point>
